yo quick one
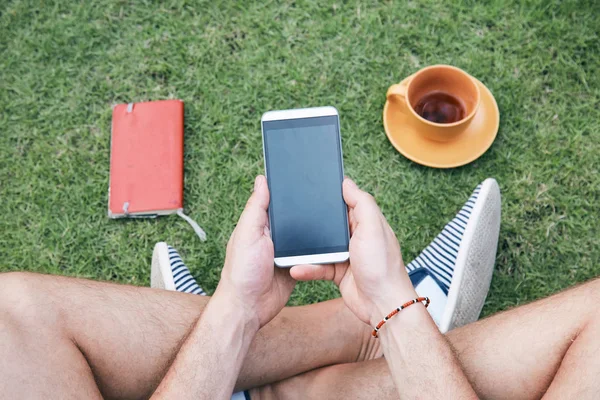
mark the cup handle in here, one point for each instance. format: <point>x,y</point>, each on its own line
<point>397,94</point>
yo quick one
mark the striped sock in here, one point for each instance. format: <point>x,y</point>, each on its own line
<point>440,256</point>
<point>184,281</point>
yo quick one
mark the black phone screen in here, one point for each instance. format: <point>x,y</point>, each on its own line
<point>303,159</point>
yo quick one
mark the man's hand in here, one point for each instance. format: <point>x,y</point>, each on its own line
<point>249,278</point>
<point>251,292</point>
<point>374,281</point>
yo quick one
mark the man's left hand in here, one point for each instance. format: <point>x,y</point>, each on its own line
<point>249,277</point>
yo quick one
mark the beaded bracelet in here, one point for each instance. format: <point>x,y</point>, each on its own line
<point>397,310</point>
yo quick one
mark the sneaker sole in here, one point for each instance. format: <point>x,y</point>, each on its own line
<point>475,260</point>
<point>161,276</point>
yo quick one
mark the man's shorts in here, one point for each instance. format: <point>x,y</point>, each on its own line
<point>241,395</point>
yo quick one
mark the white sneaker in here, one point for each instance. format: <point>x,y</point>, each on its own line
<point>460,260</point>
<point>170,273</point>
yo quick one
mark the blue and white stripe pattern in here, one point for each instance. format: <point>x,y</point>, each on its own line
<point>184,281</point>
<point>440,256</point>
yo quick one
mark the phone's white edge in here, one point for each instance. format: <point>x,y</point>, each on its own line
<point>299,113</point>
<point>295,114</point>
<point>326,258</point>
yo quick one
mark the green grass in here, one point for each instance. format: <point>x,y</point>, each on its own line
<point>63,65</point>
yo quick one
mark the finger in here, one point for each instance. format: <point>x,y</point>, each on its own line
<point>352,221</point>
<point>361,204</point>
<point>311,272</point>
<point>351,192</point>
<point>254,218</point>
<point>285,276</point>
<point>260,193</point>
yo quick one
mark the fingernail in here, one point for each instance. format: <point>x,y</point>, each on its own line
<point>350,182</point>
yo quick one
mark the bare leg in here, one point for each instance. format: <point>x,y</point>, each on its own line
<point>51,327</point>
<point>77,336</point>
<point>547,347</point>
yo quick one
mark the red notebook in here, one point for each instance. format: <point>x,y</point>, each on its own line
<point>146,159</point>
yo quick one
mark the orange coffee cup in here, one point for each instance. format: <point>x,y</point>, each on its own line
<point>445,82</point>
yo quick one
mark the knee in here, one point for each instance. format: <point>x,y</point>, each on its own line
<point>595,288</point>
<point>593,299</point>
<point>590,295</point>
<point>24,300</point>
<point>584,303</point>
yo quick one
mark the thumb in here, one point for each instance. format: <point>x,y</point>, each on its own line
<point>361,204</point>
<point>260,194</point>
<point>351,192</point>
<point>321,272</point>
<point>255,217</point>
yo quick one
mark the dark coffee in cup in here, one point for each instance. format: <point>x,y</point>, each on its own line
<point>440,107</point>
<point>440,101</point>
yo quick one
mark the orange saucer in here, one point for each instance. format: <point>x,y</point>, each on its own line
<point>470,145</point>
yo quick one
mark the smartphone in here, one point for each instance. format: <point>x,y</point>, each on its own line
<point>303,164</point>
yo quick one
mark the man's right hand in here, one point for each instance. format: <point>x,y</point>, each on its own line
<point>373,284</point>
<point>374,281</point>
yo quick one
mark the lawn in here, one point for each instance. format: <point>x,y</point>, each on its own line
<point>63,65</point>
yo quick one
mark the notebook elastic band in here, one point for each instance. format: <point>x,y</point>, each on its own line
<point>201,234</point>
